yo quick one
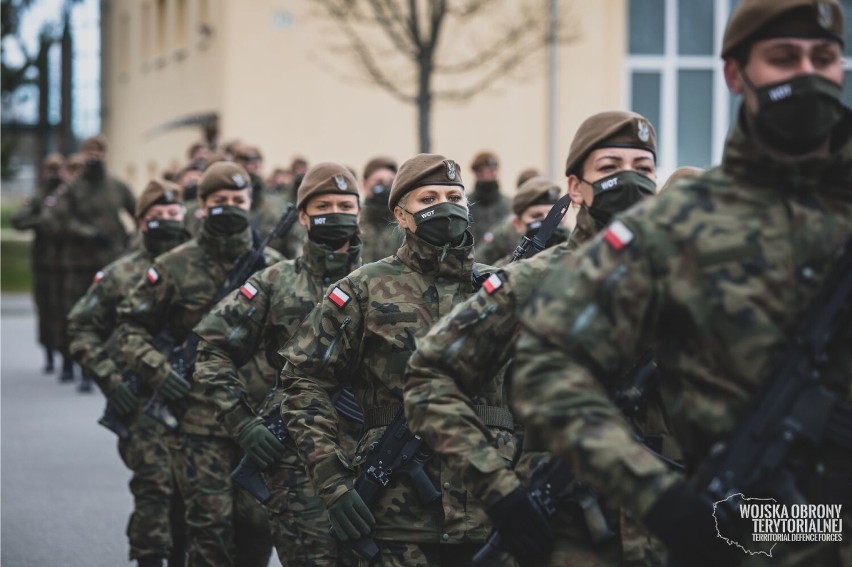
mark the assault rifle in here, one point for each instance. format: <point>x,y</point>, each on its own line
<point>794,407</point>
<point>183,359</point>
<point>529,247</point>
<point>399,452</point>
<point>551,484</point>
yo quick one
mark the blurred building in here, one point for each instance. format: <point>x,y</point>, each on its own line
<point>258,71</point>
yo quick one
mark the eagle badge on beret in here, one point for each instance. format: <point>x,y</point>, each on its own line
<point>451,169</point>
<point>168,196</point>
<point>643,130</point>
<point>341,182</point>
<point>239,180</point>
<point>825,18</point>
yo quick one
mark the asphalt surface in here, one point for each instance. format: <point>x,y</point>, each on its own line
<point>64,500</point>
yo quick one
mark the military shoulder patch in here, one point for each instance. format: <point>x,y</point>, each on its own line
<point>152,275</point>
<point>99,276</point>
<point>492,284</point>
<point>339,297</point>
<point>618,236</point>
<point>248,291</point>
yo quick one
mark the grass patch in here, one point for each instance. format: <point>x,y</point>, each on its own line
<point>15,268</point>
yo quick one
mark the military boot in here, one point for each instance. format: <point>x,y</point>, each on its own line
<point>48,361</point>
<point>150,561</point>
<point>85,385</point>
<point>67,374</point>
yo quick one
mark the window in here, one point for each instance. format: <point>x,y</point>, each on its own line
<point>162,27</point>
<point>180,24</point>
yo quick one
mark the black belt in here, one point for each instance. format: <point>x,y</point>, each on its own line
<point>491,416</point>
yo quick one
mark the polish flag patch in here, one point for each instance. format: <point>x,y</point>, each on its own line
<point>248,290</point>
<point>152,276</point>
<point>99,276</point>
<point>618,236</point>
<point>339,297</point>
<point>492,284</point>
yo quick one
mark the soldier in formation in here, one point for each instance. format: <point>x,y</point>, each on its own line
<point>156,530</point>
<point>488,206</point>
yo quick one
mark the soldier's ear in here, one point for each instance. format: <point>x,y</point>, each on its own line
<point>574,189</point>
<point>733,76</point>
<point>304,220</point>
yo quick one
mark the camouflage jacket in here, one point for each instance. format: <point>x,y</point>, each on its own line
<point>88,212</point>
<point>175,294</point>
<point>715,275</point>
<point>265,211</point>
<point>584,230</point>
<point>487,216</point>
<point>258,318</point>
<point>37,214</point>
<point>378,232</point>
<point>503,240</point>
<point>362,335</point>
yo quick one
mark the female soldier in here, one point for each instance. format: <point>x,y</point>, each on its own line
<point>362,334</point>
<point>610,167</point>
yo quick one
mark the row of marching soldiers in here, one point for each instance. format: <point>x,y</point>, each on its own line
<point>425,409</point>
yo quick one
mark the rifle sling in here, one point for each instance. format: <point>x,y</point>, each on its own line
<point>491,416</point>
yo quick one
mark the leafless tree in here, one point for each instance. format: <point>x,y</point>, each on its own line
<point>422,51</point>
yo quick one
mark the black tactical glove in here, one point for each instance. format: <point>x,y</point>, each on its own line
<point>174,387</point>
<point>683,520</point>
<point>122,398</point>
<point>259,443</point>
<point>524,530</point>
<point>350,517</point>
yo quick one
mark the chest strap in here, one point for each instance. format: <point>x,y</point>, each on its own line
<point>491,416</point>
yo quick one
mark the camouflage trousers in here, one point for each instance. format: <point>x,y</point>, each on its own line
<point>401,554</point>
<point>632,545</point>
<point>46,282</point>
<point>156,526</point>
<point>297,516</point>
<point>226,527</point>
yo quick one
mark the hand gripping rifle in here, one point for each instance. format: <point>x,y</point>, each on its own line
<point>529,247</point>
<point>794,407</point>
<point>183,359</point>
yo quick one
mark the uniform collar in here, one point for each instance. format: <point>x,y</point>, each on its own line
<point>321,262</point>
<point>584,230</point>
<point>424,258</point>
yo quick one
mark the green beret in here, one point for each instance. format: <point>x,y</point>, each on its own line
<point>484,158</point>
<point>94,143</point>
<point>381,162</point>
<point>158,193</point>
<point>754,20</point>
<point>615,129</point>
<point>535,191</point>
<point>223,175</point>
<point>424,169</point>
<point>326,177</point>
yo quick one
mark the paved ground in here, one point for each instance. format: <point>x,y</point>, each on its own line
<point>64,500</point>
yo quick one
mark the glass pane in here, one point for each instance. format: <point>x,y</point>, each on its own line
<point>645,98</point>
<point>645,27</point>
<point>734,108</point>
<point>847,25</point>
<point>695,27</point>
<point>847,88</point>
<point>694,118</point>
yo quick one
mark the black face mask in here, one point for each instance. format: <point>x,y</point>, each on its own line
<point>52,183</point>
<point>381,195</point>
<point>333,230</point>
<point>190,191</point>
<point>618,192</point>
<point>163,235</point>
<point>560,234</point>
<point>487,192</point>
<point>797,116</point>
<point>94,169</point>
<point>225,221</point>
<point>441,224</point>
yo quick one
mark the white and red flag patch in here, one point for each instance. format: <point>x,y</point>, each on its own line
<point>99,276</point>
<point>492,284</point>
<point>248,290</point>
<point>618,236</point>
<point>152,275</point>
<point>339,297</point>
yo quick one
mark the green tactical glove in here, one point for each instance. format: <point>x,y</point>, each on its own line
<point>122,398</point>
<point>259,443</point>
<point>174,387</point>
<point>350,517</point>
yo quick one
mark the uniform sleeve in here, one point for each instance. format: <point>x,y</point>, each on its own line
<point>141,317</point>
<point>90,323</point>
<point>322,356</point>
<point>231,335</point>
<point>459,356</point>
<point>28,216</point>
<point>592,315</point>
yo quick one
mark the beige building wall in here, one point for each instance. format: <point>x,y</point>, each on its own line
<point>263,66</point>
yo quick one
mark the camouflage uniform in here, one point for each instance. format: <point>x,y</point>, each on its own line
<point>37,215</point>
<point>457,358</point>
<point>266,209</point>
<point>378,231</point>
<point>717,274</point>
<point>146,452</point>
<point>487,211</point>
<point>376,313</point>
<point>225,525</point>
<point>503,240</point>
<point>93,234</point>
<point>261,317</point>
